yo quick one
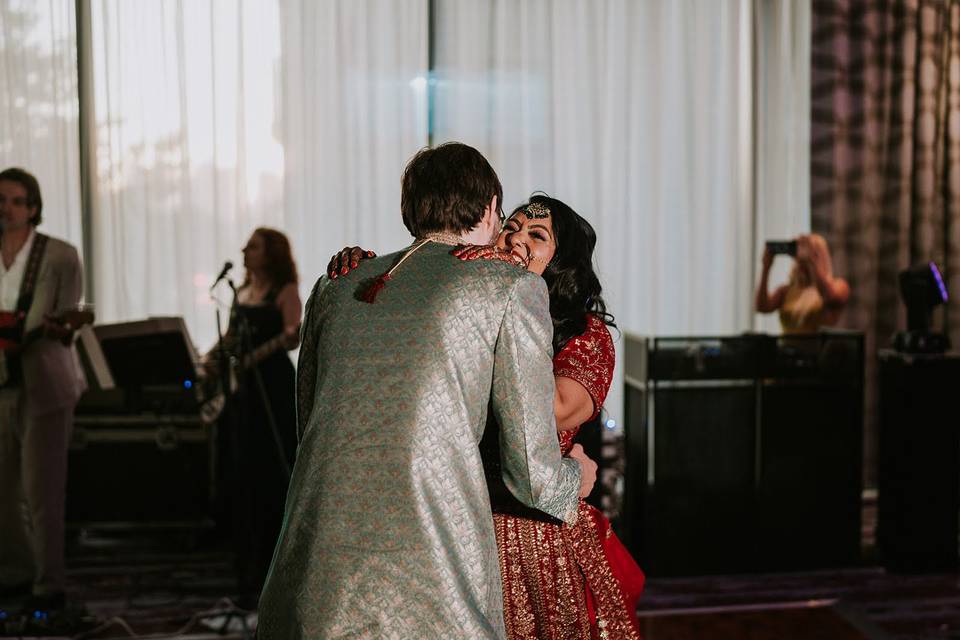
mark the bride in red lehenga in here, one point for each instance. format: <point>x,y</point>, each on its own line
<point>560,581</point>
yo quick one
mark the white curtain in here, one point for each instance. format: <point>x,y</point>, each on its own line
<point>783,132</point>
<point>638,115</point>
<point>39,107</point>
<point>216,117</point>
<point>658,121</point>
<point>354,79</point>
<point>188,159</point>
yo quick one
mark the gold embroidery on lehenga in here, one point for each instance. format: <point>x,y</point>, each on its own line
<point>547,568</point>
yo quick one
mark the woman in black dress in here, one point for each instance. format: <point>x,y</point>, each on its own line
<point>264,325</point>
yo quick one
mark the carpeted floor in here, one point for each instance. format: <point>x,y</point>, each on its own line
<point>128,587</point>
<point>880,604</point>
<point>156,585</point>
<point>813,619</point>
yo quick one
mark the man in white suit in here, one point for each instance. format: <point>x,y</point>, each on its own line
<point>40,277</point>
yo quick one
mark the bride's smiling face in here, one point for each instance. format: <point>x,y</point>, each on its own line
<point>529,238</point>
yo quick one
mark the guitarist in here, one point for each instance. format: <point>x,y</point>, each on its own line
<point>260,451</point>
<point>40,277</point>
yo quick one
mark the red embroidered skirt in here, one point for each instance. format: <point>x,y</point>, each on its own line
<point>569,581</point>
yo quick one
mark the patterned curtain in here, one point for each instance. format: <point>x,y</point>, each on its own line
<point>885,158</point>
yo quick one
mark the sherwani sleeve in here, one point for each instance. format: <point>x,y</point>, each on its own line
<point>308,361</point>
<point>522,402</point>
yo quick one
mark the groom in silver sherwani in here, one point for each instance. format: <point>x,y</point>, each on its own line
<point>388,531</point>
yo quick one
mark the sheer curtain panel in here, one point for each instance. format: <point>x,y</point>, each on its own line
<point>638,115</point>
<point>39,106</point>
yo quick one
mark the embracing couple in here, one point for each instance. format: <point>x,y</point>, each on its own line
<point>406,362</point>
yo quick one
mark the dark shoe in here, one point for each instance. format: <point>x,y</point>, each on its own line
<point>45,604</point>
<point>16,590</point>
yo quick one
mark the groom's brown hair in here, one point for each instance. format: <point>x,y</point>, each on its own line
<point>447,188</point>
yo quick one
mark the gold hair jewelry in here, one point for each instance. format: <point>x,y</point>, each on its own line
<point>536,211</point>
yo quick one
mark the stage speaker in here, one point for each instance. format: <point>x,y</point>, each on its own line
<point>135,471</point>
<point>743,454</point>
<point>697,479</point>
<point>918,497</point>
<point>809,482</point>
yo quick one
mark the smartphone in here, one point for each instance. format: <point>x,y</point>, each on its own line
<point>785,247</point>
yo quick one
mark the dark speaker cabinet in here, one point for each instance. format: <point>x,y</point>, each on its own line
<point>139,471</point>
<point>809,474</point>
<point>918,497</point>
<point>744,453</point>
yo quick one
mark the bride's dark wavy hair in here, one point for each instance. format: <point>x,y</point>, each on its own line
<point>573,284</point>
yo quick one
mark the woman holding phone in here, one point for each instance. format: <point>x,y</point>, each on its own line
<point>812,296</point>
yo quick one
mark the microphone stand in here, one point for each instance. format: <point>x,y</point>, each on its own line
<point>225,477</point>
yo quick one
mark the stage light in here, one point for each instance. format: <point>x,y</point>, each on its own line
<point>922,289</point>
<point>188,384</point>
<point>611,424</point>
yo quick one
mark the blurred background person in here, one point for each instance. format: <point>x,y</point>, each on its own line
<point>257,434</point>
<point>812,297</point>
<point>40,279</point>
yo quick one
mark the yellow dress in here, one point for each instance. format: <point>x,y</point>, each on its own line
<point>802,310</point>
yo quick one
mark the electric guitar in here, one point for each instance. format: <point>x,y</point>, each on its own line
<point>12,346</point>
<point>213,398</point>
<point>69,321</point>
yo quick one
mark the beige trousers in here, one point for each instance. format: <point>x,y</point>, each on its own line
<point>33,478</point>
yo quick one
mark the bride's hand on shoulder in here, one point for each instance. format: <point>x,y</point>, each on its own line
<point>346,260</point>
<point>488,252</point>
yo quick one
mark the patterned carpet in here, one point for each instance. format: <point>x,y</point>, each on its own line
<point>881,605</point>
<point>137,587</point>
<point>817,619</point>
<point>144,586</point>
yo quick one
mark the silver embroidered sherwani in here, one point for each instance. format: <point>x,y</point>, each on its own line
<point>388,531</point>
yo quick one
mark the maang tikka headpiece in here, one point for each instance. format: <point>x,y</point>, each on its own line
<point>536,211</point>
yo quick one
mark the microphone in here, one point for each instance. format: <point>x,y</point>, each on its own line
<point>223,273</point>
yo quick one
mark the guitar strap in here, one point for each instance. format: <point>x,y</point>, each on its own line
<point>31,273</point>
<point>11,372</point>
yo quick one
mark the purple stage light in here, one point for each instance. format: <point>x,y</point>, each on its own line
<point>939,280</point>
